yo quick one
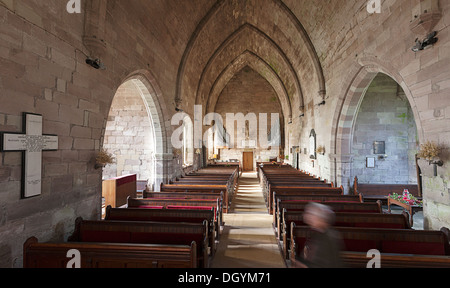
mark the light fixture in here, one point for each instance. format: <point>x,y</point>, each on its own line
<point>302,111</point>
<point>429,41</point>
<point>96,64</point>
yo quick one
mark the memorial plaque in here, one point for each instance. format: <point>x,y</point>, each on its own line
<point>312,145</point>
<point>379,147</point>
<point>31,143</point>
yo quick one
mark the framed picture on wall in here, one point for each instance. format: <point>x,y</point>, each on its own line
<point>370,162</point>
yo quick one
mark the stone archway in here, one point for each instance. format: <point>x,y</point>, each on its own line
<point>130,135</point>
<point>152,100</point>
<point>354,89</point>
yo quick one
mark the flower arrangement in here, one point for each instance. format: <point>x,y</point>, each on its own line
<point>320,150</point>
<point>177,152</point>
<point>407,198</point>
<point>429,151</point>
<point>103,158</point>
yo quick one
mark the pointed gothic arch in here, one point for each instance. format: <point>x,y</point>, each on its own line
<point>354,90</point>
<point>154,103</point>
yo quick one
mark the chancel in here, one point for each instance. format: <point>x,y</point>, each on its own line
<point>216,122</point>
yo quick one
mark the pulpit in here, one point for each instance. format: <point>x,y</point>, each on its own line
<point>117,190</point>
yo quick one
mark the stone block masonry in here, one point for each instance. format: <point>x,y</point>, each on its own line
<point>186,53</point>
<point>385,115</point>
<point>129,135</point>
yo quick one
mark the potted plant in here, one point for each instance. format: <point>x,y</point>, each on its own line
<point>430,151</point>
<point>320,150</point>
<point>103,158</point>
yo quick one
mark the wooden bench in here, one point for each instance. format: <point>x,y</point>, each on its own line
<point>406,242</point>
<point>375,192</point>
<point>361,220</point>
<point>286,178</point>
<point>200,188</point>
<point>164,215</point>
<point>184,195</point>
<point>297,198</point>
<point>229,172</point>
<point>337,207</point>
<point>180,204</point>
<point>161,233</point>
<point>388,260</point>
<point>313,194</point>
<point>109,255</point>
<point>307,188</point>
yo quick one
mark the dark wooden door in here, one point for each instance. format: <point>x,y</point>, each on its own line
<point>247,160</point>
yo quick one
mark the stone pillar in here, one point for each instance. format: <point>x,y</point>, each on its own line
<point>94,28</point>
<point>163,169</point>
<point>341,168</point>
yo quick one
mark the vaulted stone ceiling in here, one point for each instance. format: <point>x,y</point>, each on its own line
<point>210,41</point>
<point>262,34</point>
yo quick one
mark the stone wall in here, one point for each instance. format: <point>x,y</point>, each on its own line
<point>185,53</point>
<point>385,115</point>
<point>129,136</point>
<point>43,71</point>
<point>249,93</point>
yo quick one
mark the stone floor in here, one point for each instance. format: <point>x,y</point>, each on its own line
<point>417,219</point>
<point>248,238</point>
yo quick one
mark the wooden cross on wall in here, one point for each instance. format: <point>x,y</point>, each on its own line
<point>31,143</point>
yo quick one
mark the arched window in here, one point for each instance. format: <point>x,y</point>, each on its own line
<point>188,141</point>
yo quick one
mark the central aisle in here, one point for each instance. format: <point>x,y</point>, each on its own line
<point>248,239</point>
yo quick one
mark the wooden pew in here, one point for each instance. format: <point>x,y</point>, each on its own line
<point>301,198</point>
<point>389,260</point>
<point>133,232</point>
<point>164,215</point>
<point>306,188</point>
<point>109,255</point>
<point>285,178</point>
<point>200,188</point>
<point>180,204</point>
<point>184,195</point>
<point>337,207</point>
<point>231,171</point>
<point>403,242</point>
<point>316,195</point>
<point>375,192</point>
<point>362,220</point>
